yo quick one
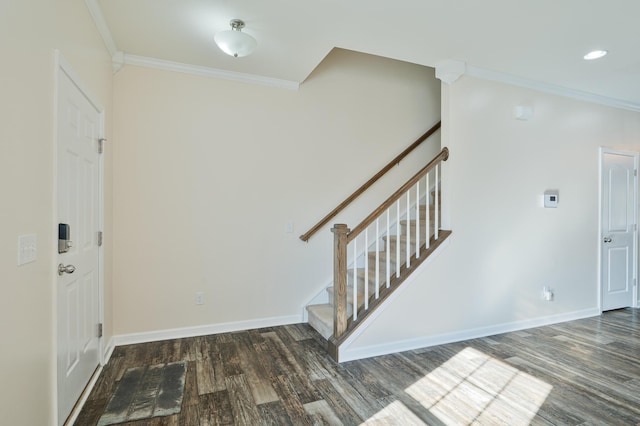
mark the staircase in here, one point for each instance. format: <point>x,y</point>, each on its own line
<point>382,251</point>
<point>374,258</point>
<point>321,315</point>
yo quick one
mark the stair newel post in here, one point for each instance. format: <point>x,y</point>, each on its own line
<point>340,232</point>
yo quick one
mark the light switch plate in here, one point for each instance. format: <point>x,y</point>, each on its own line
<point>27,249</point>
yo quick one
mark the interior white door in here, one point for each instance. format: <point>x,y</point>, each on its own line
<point>78,292</point>
<point>618,226</point>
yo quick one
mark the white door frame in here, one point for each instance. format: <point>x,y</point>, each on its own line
<point>635,155</point>
<point>62,66</point>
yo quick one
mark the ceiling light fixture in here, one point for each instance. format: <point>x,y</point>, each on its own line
<point>595,54</point>
<point>234,42</point>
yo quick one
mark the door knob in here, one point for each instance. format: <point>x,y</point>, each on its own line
<point>69,269</point>
<point>607,239</point>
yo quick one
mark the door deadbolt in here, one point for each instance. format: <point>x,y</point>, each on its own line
<point>607,239</point>
<point>64,238</point>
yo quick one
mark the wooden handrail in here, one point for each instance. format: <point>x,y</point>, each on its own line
<point>305,237</point>
<point>442,156</point>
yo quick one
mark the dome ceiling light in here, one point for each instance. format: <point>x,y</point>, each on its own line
<point>234,42</point>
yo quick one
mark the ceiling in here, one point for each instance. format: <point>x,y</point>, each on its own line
<point>540,42</point>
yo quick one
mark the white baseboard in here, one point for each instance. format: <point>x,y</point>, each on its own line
<point>73,416</point>
<point>203,330</point>
<point>108,351</point>
<point>474,333</point>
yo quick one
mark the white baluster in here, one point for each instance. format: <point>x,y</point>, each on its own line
<point>418,219</point>
<point>388,249</point>
<point>398,232</point>
<point>407,216</point>
<point>436,222</point>
<point>427,240</point>
<point>355,279</point>
<point>377,258</point>
<point>366,269</point>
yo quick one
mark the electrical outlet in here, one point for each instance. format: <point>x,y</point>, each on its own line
<point>199,298</point>
<point>547,293</point>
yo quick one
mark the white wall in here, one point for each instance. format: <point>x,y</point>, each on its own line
<point>208,172</point>
<point>505,245</point>
<point>29,31</point>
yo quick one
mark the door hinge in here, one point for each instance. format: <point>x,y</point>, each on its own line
<point>635,172</point>
<point>101,142</point>
<point>99,330</point>
<point>100,234</point>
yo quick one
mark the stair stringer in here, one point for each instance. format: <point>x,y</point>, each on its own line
<point>343,349</point>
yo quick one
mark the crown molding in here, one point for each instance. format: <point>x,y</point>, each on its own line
<point>161,64</point>
<point>117,62</point>
<point>450,70</point>
<point>103,29</point>
<point>513,80</point>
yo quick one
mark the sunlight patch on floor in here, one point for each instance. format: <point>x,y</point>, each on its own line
<point>474,388</point>
<point>395,413</point>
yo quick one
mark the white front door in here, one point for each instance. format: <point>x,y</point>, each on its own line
<point>618,237</point>
<point>79,204</point>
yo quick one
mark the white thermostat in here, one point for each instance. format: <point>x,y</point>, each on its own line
<point>551,199</point>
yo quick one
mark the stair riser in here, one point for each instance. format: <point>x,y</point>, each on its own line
<point>325,329</point>
<point>423,213</point>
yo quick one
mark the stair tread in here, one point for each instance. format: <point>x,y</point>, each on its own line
<point>321,308</point>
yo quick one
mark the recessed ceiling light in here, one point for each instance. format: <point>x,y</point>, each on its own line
<point>596,54</point>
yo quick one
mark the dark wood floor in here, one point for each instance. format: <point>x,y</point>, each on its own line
<point>584,372</point>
